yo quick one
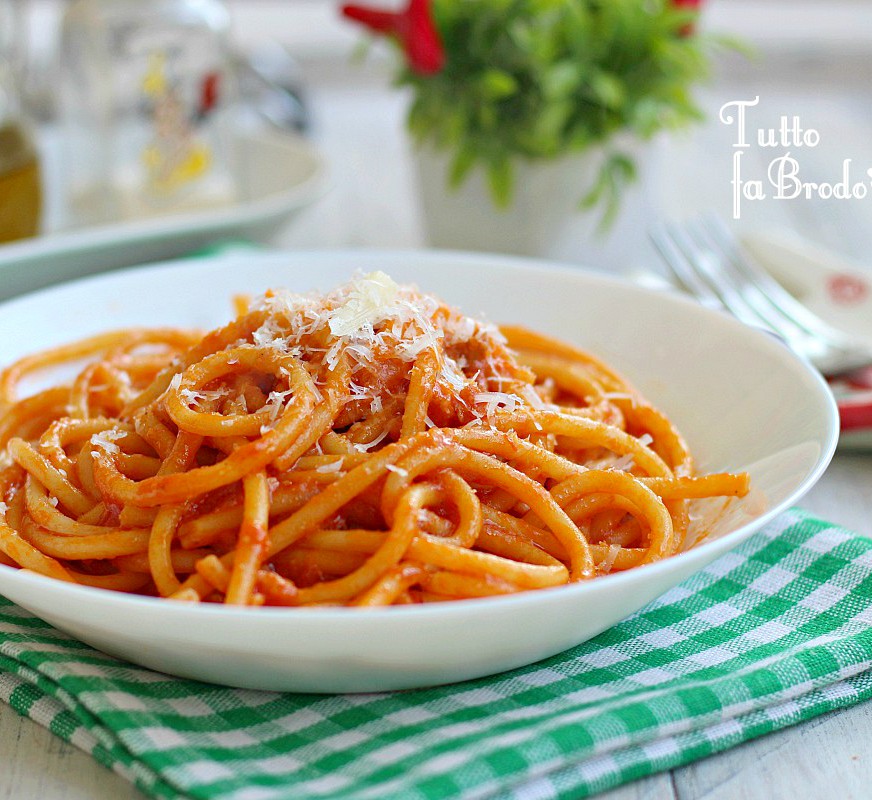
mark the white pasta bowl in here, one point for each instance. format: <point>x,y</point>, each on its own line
<point>743,401</point>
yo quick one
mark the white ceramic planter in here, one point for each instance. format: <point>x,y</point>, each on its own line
<point>544,219</point>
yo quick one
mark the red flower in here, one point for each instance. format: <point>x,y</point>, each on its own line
<point>690,5</point>
<point>413,27</point>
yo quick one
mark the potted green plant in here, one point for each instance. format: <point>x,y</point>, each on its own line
<point>526,112</point>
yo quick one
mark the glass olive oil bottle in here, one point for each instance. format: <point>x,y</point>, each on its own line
<point>20,190</point>
<point>20,193</point>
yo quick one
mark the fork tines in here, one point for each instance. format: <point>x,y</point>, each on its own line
<point>707,261</point>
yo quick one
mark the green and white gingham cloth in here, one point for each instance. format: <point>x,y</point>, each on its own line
<point>772,634</point>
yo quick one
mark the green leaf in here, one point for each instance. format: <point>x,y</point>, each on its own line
<point>562,79</point>
<point>608,90</point>
<point>500,180</point>
<point>460,167</point>
<point>616,173</point>
<point>496,84</point>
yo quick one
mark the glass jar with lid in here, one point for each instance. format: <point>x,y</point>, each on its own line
<point>20,190</point>
<point>145,99</point>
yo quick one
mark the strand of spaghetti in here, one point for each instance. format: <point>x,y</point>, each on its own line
<point>500,542</point>
<point>310,476</point>
<point>422,383</point>
<point>82,548</point>
<point>390,586</point>
<point>84,471</point>
<point>160,542</point>
<point>465,532</point>
<point>568,376</point>
<point>163,529</point>
<point>26,456</point>
<point>277,590</point>
<point>613,558</point>
<point>648,506</point>
<point>576,380</point>
<point>334,444</point>
<point>132,517</point>
<point>715,484</point>
<point>374,428</point>
<point>589,431</point>
<point>210,569</point>
<point>389,553</point>
<point>253,537</point>
<point>457,585</point>
<point>26,556</point>
<point>95,516</point>
<point>185,596</point>
<point>198,584</point>
<point>137,467</point>
<point>28,417</point>
<point>333,396</point>
<point>153,430</point>
<point>668,442</point>
<point>465,499</point>
<point>116,582</point>
<point>618,527</point>
<point>79,406</point>
<point>46,515</point>
<point>582,508</point>
<point>184,561</point>
<point>12,375</point>
<point>253,456</point>
<point>521,338</point>
<point>306,566</point>
<point>507,445</point>
<point>326,462</point>
<point>511,537</point>
<point>540,537</point>
<point>437,552</point>
<point>496,473</point>
<point>352,540</point>
<point>63,432</point>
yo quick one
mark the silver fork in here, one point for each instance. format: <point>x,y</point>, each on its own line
<point>707,261</point>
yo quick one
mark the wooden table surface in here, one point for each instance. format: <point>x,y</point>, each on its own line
<point>358,123</point>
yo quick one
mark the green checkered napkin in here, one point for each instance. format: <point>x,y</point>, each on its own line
<point>770,635</point>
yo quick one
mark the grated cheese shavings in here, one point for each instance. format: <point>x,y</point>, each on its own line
<point>608,562</point>
<point>362,448</point>
<point>373,322</point>
<point>624,463</point>
<point>105,440</point>
<point>370,301</point>
<point>333,466</point>
<point>495,400</point>
<point>193,397</point>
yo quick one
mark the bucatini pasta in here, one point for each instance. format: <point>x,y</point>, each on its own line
<point>365,447</point>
